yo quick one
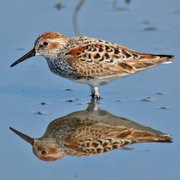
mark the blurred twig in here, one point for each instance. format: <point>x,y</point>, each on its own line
<point>76,30</point>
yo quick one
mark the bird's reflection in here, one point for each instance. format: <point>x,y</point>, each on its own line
<point>89,132</point>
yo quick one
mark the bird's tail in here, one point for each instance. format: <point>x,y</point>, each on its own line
<point>137,136</point>
<point>157,58</point>
<point>146,60</point>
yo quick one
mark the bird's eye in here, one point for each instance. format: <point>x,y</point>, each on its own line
<point>43,152</point>
<point>45,43</point>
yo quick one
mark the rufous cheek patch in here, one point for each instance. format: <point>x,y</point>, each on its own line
<point>53,45</point>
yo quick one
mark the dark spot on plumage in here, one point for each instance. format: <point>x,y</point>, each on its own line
<point>107,149</point>
<point>89,56</point>
<point>78,53</point>
<point>135,56</point>
<point>86,150</point>
<point>123,65</point>
<point>126,142</point>
<point>98,150</point>
<point>81,141</point>
<point>97,56</point>
<point>116,51</point>
<point>94,151</point>
<point>126,66</point>
<point>83,145</point>
<point>115,143</point>
<point>116,56</point>
<point>102,59</point>
<point>126,54</point>
<point>107,48</point>
<point>107,56</point>
<point>105,144</point>
<point>95,145</point>
<point>101,49</point>
<point>99,141</point>
<point>68,54</point>
<point>88,48</point>
<point>87,144</point>
<point>93,49</point>
<point>114,146</point>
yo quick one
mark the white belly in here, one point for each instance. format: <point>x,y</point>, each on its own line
<point>96,82</point>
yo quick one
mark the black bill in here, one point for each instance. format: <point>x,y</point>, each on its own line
<point>26,56</point>
<point>23,136</point>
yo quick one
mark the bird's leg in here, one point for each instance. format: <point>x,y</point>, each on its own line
<point>92,91</point>
<point>97,92</point>
<point>92,99</point>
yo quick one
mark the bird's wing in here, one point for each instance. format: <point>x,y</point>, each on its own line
<point>100,58</point>
<point>91,51</point>
<point>97,139</point>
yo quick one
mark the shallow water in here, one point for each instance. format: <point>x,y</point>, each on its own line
<point>146,26</point>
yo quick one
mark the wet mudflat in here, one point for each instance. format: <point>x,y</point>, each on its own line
<point>32,97</point>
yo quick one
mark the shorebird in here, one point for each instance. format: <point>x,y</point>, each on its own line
<point>91,61</point>
<point>90,132</point>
